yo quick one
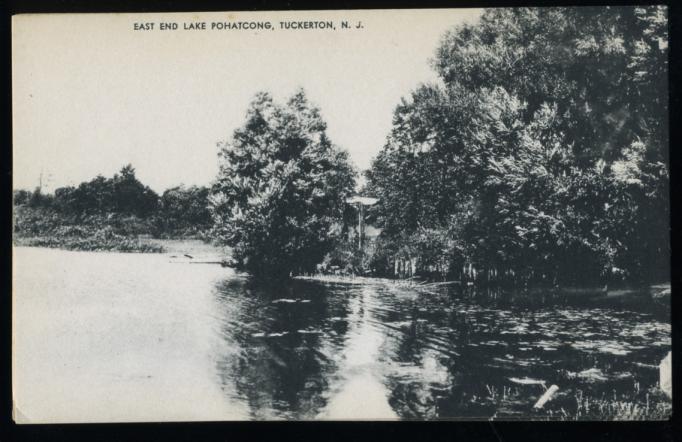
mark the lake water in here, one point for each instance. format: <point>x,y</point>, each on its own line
<point>134,337</point>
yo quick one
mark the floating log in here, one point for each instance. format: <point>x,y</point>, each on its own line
<point>546,397</point>
<point>528,381</point>
<point>177,261</point>
<point>189,259</point>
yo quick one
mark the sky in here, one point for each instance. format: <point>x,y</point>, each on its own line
<point>91,93</point>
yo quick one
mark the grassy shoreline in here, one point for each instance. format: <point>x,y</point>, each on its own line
<point>101,232</point>
<point>95,243</point>
<point>175,246</point>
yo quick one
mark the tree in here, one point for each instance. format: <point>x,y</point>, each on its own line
<point>21,197</point>
<point>39,199</point>
<point>279,197</point>
<point>185,209</point>
<point>130,196</point>
<point>544,147</point>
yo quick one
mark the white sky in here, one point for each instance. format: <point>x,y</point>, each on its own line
<point>90,94</point>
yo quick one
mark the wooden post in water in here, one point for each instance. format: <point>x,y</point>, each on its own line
<point>360,226</point>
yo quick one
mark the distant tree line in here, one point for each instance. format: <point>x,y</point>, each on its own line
<point>179,211</point>
<point>541,152</point>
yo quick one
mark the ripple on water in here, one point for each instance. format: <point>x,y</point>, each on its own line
<point>307,349</point>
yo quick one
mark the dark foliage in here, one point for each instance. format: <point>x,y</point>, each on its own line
<point>544,149</point>
<point>279,197</point>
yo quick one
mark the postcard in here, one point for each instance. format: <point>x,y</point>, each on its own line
<point>423,214</point>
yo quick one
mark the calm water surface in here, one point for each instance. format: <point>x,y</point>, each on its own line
<point>134,337</point>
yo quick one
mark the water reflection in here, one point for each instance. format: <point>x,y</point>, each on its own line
<point>358,389</point>
<point>311,350</point>
<point>278,343</point>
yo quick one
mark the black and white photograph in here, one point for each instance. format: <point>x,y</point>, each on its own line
<point>341,215</point>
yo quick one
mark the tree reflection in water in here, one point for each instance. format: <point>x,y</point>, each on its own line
<point>282,340</point>
<point>306,350</point>
<point>358,391</point>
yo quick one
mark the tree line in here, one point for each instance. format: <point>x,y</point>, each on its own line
<point>542,151</point>
<point>540,154</point>
<point>121,199</point>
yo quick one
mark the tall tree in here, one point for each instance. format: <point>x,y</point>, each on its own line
<point>129,195</point>
<point>279,197</point>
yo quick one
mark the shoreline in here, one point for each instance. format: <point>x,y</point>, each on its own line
<point>193,250</point>
<point>108,243</point>
<point>125,245</point>
<point>660,292</point>
<point>395,284</point>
